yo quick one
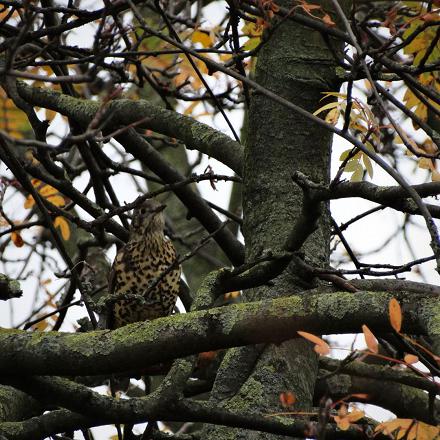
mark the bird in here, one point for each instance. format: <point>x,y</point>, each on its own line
<point>145,266</point>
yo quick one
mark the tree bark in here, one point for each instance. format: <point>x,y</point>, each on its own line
<point>295,63</point>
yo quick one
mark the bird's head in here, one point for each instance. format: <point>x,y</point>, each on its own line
<point>148,218</point>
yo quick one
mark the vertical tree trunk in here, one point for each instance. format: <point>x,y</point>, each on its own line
<point>295,63</point>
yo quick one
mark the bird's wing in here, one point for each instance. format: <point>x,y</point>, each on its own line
<point>112,276</point>
<point>109,323</point>
<point>120,258</point>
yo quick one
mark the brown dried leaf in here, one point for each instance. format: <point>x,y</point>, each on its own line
<point>17,239</point>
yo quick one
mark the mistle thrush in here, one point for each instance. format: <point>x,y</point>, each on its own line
<point>146,260</point>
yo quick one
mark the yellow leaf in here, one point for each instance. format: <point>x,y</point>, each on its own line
<point>41,326</point>
<point>344,155</point>
<point>356,125</point>
<point>225,57</point>
<point>188,111</point>
<point>425,163</point>
<point>395,313</point>
<point>251,44</point>
<point>50,114</point>
<point>29,156</point>
<point>358,175</point>
<point>326,107</point>
<point>429,146</point>
<point>352,165</point>
<point>48,190</point>
<point>61,222</point>
<point>370,340</point>
<point>29,202</point>
<point>57,200</point>
<point>332,116</point>
<point>422,112</point>
<point>16,239</point>
<point>410,99</point>
<point>368,165</point>
<point>339,95</point>
<point>202,37</point>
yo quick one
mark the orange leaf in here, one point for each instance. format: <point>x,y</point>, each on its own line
<point>322,350</point>
<point>287,399</point>
<point>321,346</point>
<point>395,314</point>
<point>342,422</point>
<point>355,415</point>
<point>409,429</point>
<point>341,419</point>
<point>207,355</point>
<point>50,114</point>
<point>370,340</point>
<point>411,359</point>
<point>16,239</point>
<point>344,418</point>
<point>328,21</point>
<point>363,396</point>
<point>231,295</point>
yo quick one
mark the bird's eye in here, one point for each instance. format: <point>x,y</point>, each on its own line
<point>143,211</point>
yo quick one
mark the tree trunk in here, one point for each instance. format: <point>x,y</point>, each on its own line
<point>295,63</point>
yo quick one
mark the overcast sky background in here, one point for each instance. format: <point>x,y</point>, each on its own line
<point>364,235</point>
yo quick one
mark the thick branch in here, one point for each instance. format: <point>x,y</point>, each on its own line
<point>147,343</point>
<point>402,400</point>
<point>393,285</point>
<point>16,405</point>
<point>380,372</point>
<point>63,420</point>
<point>393,196</point>
<point>124,112</point>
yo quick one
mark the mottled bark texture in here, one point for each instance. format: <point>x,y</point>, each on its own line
<point>296,64</point>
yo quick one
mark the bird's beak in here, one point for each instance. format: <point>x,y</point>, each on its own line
<point>160,208</point>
